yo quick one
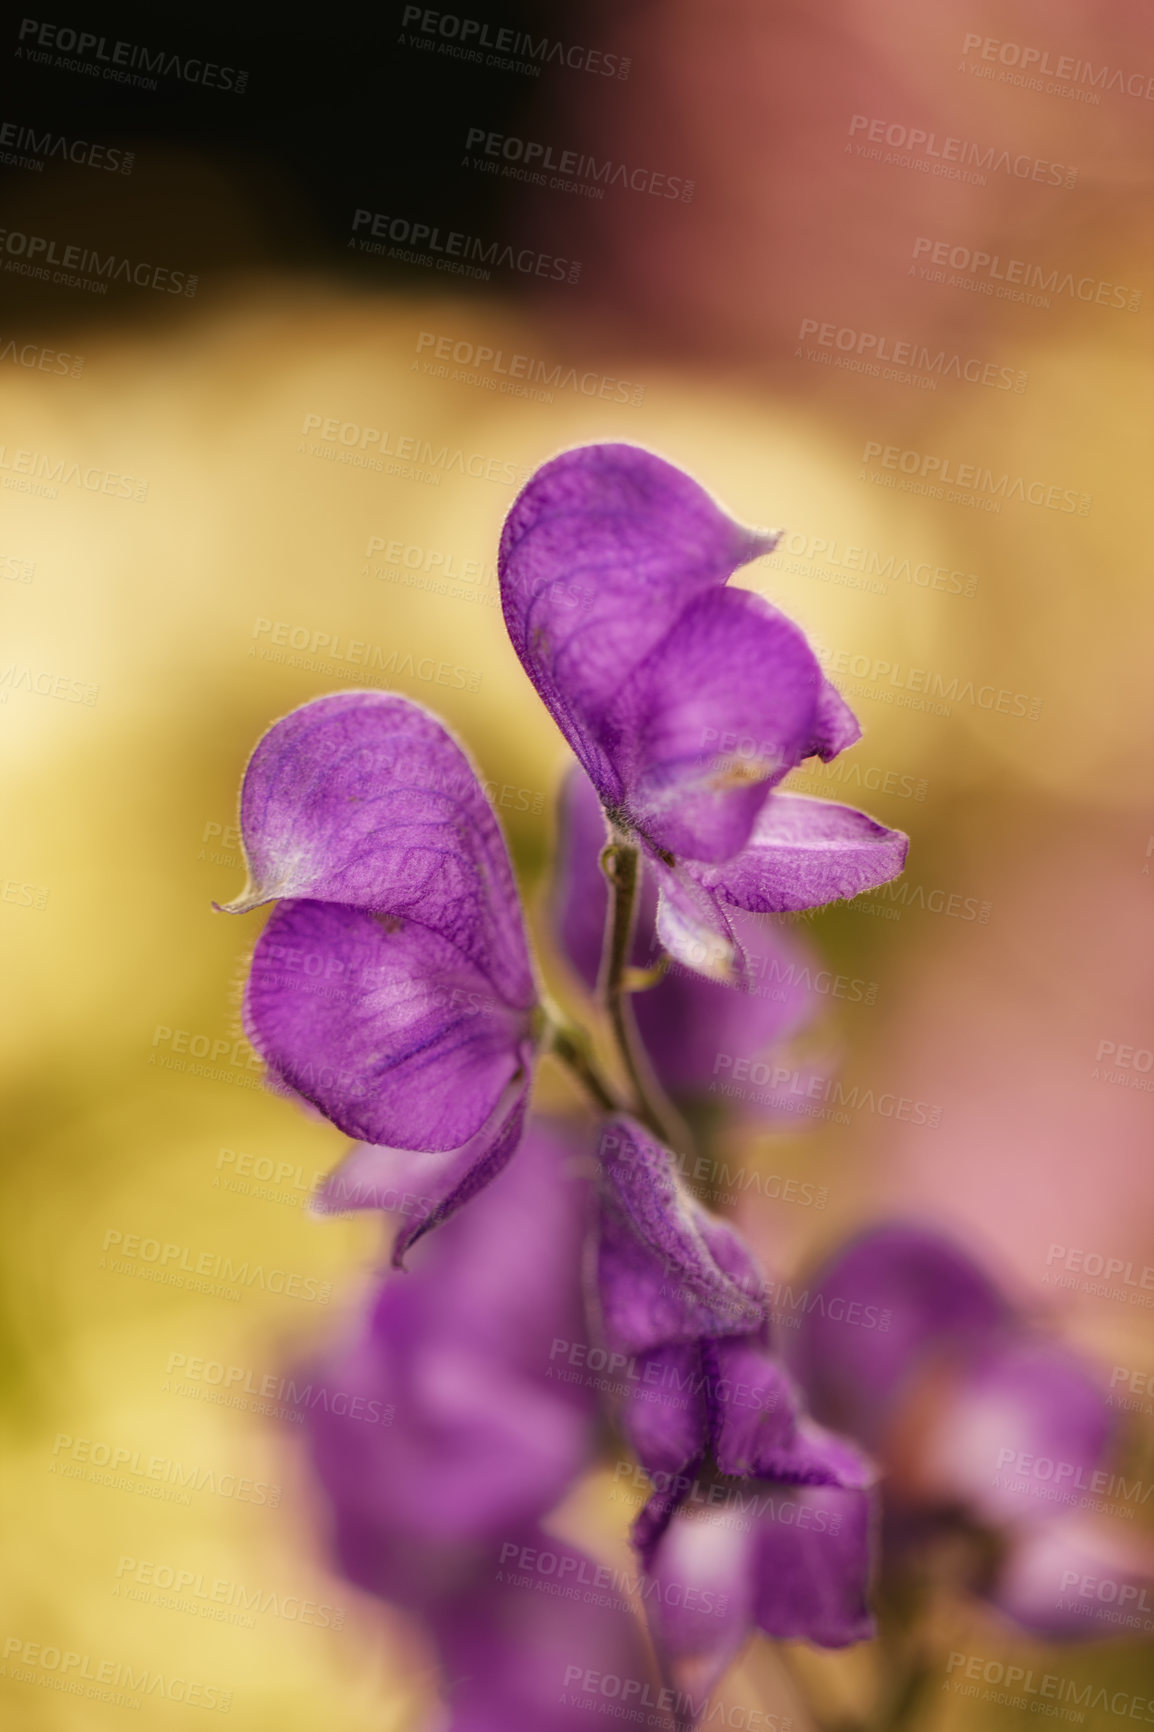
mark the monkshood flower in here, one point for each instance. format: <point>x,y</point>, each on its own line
<point>525,1647</point>
<point>479,1438</point>
<point>978,1418</point>
<point>718,1424</point>
<point>392,987</point>
<point>685,702</point>
<point>692,1028</point>
<point>441,1437</point>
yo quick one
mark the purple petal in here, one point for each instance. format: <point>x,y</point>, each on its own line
<point>692,1026</point>
<point>687,1022</point>
<point>660,1279</point>
<point>813,1566</point>
<point>394,1181</point>
<point>695,929</point>
<point>754,1405</point>
<point>793,1562</point>
<point>471,1433</point>
<point>580,893</point>
<point>759,1431</point>
<point>364,799</point>
<point>876,1312</point>
<point>804,853</point>
<point>835,725</point>
<point>527,1643</point>
<point>386,1027</point>
<point>600,553</point>
<point>1077,1579</point>
<point>1024,1431</point>
<point>718,712</point>
<point>486,1156</point>
<point>699,1597</point>
<point>427,1188</point>
<point>665,1413</point>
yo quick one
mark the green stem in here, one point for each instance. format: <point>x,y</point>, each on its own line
<point>620,863</point>
<point>571,1045</point>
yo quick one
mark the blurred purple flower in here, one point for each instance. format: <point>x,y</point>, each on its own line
<point>442,1434</point>
<point>793,1561</point>
<point>686,702</point>
<point>715,1419</point>
<point>906,1344</point>
<point>392,987</point>
<point>530,1649</point>
<point>688,1024</point>
<point>479,1436</point>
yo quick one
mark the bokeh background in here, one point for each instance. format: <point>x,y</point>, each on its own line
<point>320,443</point>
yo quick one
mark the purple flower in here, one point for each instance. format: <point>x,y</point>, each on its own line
<point>976,1414</point>
<point>685,702</point>
<point>440,1427</point>
<point>716,1421</point>
<point>792,1561</point>
<point>441,1435</point>
<point>524,1644</point>
<point>392,987</point>
<point>692,1027</point>
<point>1074,1579</point>
<point>916,1294</point>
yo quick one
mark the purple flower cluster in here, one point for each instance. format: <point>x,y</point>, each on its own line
<point>987,1428</point>
<point>393,989</point>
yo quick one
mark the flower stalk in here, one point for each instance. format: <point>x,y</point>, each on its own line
<point>621,864</point>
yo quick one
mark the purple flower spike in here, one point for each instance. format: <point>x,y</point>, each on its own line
<point>683,1304</point>
<point>685,702</point>
<point>442,1432</point>
<point>392,987</point>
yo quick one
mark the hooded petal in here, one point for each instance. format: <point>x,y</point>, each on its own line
<point>917,1295</point>
<point>804,853</point>
<point>660,1278</point>
<point>814,1565</point>
<point>602,550</point>
<point>717,713</point>
<point>385,1026</point>
<point>363,798</point>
